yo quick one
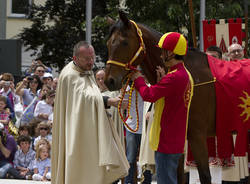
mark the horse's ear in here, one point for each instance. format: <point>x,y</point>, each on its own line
<point>124,18</point>
<point>110,21</point>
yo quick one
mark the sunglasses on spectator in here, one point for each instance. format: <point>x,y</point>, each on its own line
<point>43,128</point>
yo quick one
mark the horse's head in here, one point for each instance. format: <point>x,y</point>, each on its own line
<point>126,50</point>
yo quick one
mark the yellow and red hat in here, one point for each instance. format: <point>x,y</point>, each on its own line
<point>174,42</point>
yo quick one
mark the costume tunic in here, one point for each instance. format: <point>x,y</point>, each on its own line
<point>172,96</point>
<point>85,148</point>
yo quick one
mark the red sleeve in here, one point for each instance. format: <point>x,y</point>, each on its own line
<point>163,88</point>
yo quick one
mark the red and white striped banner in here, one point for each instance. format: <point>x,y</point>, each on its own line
<point>223,34</point>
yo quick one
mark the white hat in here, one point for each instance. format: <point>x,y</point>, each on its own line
<point>1,126</point>
<point>47,75</point>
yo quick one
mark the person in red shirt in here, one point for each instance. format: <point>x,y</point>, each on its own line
<point>172,96</point>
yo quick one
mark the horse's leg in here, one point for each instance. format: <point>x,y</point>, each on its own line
<point>180,171</point>
<point>198,146</point>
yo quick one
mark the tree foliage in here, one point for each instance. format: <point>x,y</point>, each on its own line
<point>173,15</point>
<point>59,24</point>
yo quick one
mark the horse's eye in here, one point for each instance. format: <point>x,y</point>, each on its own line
<point>124,43</point>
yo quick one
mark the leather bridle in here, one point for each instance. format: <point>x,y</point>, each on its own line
<point>142,49</point>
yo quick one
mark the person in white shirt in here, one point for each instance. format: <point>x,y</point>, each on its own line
<point>44,108</point>
<point>133,137</point>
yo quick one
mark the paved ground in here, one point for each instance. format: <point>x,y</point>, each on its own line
<point>3,181</point>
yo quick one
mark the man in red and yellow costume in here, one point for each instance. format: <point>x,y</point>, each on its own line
<point>172,96</point>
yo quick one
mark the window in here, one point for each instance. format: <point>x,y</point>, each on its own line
<point>20,8</point>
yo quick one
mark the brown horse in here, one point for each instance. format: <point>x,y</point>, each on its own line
<point>129,48</point>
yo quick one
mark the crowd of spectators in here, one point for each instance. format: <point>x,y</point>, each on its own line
<point>26,116</point>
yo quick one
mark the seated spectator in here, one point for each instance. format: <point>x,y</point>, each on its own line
<point>4,113</point>
<point>43,92</point>
<point>33,66</point>
<point>34,132</point>
<point>8,149</point>
<point>24,159</point>
<point>29,96</point>
<point>39,71</point>
<point>8,89</point>
<point>9,103</point>
<point>54,85</point>
<point>12,112</point>
<point>25,131</point>
<point>42,164</point>
<point>44,108</point>
<point>42,141</point>
<point>44,131</point>
<point>48,79</point>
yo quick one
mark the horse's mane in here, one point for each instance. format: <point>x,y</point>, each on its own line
<point>119,25</point>
<point>157,33</point>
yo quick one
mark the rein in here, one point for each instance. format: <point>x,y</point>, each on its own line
<point>129,66</point>
<point>204,83</point>
<point>129,106</point>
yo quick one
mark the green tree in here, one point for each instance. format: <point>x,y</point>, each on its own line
<point>58,25</point>
<point>173,15</point>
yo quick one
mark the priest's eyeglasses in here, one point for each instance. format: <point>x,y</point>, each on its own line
<point>86,58</point>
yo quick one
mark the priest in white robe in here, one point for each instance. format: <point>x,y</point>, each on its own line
<point>85,146</point>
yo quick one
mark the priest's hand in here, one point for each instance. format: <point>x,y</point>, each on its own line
<point>114,101</point>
